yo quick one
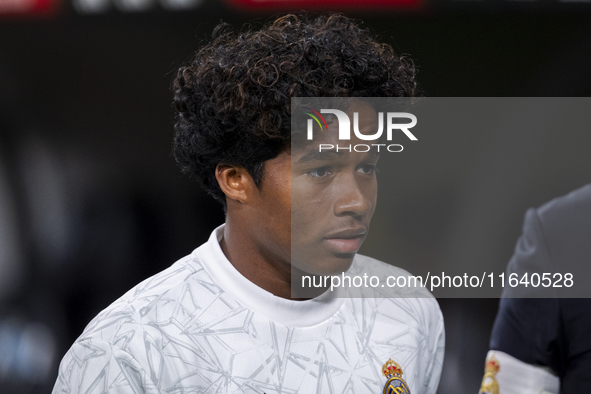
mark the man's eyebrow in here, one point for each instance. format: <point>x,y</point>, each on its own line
<point>328,155</point>
<point>320,156</point>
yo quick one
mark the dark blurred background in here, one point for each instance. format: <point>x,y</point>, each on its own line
<point>91,201</point>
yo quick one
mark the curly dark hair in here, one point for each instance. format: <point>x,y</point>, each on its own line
<point>233,99</point>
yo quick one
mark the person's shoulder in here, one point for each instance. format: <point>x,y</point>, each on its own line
<point>138,321</point>
<point>571,208</point>
<point>146,302</point>
<point>564,224</point>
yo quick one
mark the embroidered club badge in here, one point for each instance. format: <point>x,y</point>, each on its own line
<point>489,381</point>
<point>395,383</point>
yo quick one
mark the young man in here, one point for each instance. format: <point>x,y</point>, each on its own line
<point>224,318</point>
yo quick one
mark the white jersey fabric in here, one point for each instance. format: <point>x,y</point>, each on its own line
<point>201,327</point>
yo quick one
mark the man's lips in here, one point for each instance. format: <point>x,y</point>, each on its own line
<point>346,241</point>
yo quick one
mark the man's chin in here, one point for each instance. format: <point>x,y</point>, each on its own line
<point>335,264</point>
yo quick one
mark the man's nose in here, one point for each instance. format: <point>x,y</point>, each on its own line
<point>351,198</point>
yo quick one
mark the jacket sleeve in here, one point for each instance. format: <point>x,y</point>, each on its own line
<point>507,375</point>
<point>525,339</point>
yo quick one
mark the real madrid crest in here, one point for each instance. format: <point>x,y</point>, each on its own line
<point>489,381</point>
<point>395,383</point>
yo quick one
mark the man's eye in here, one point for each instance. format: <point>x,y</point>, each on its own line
<point>367,169</point>
<point>319,172</point>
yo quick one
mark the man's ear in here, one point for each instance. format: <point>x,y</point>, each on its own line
<point>235,182</point>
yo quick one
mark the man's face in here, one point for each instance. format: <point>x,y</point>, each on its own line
<point>333,197</point>
<point>314,209</point>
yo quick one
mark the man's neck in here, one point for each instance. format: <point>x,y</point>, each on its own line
<point>261,267</point>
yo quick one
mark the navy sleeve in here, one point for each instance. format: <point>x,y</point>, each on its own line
<point>529,329</point>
